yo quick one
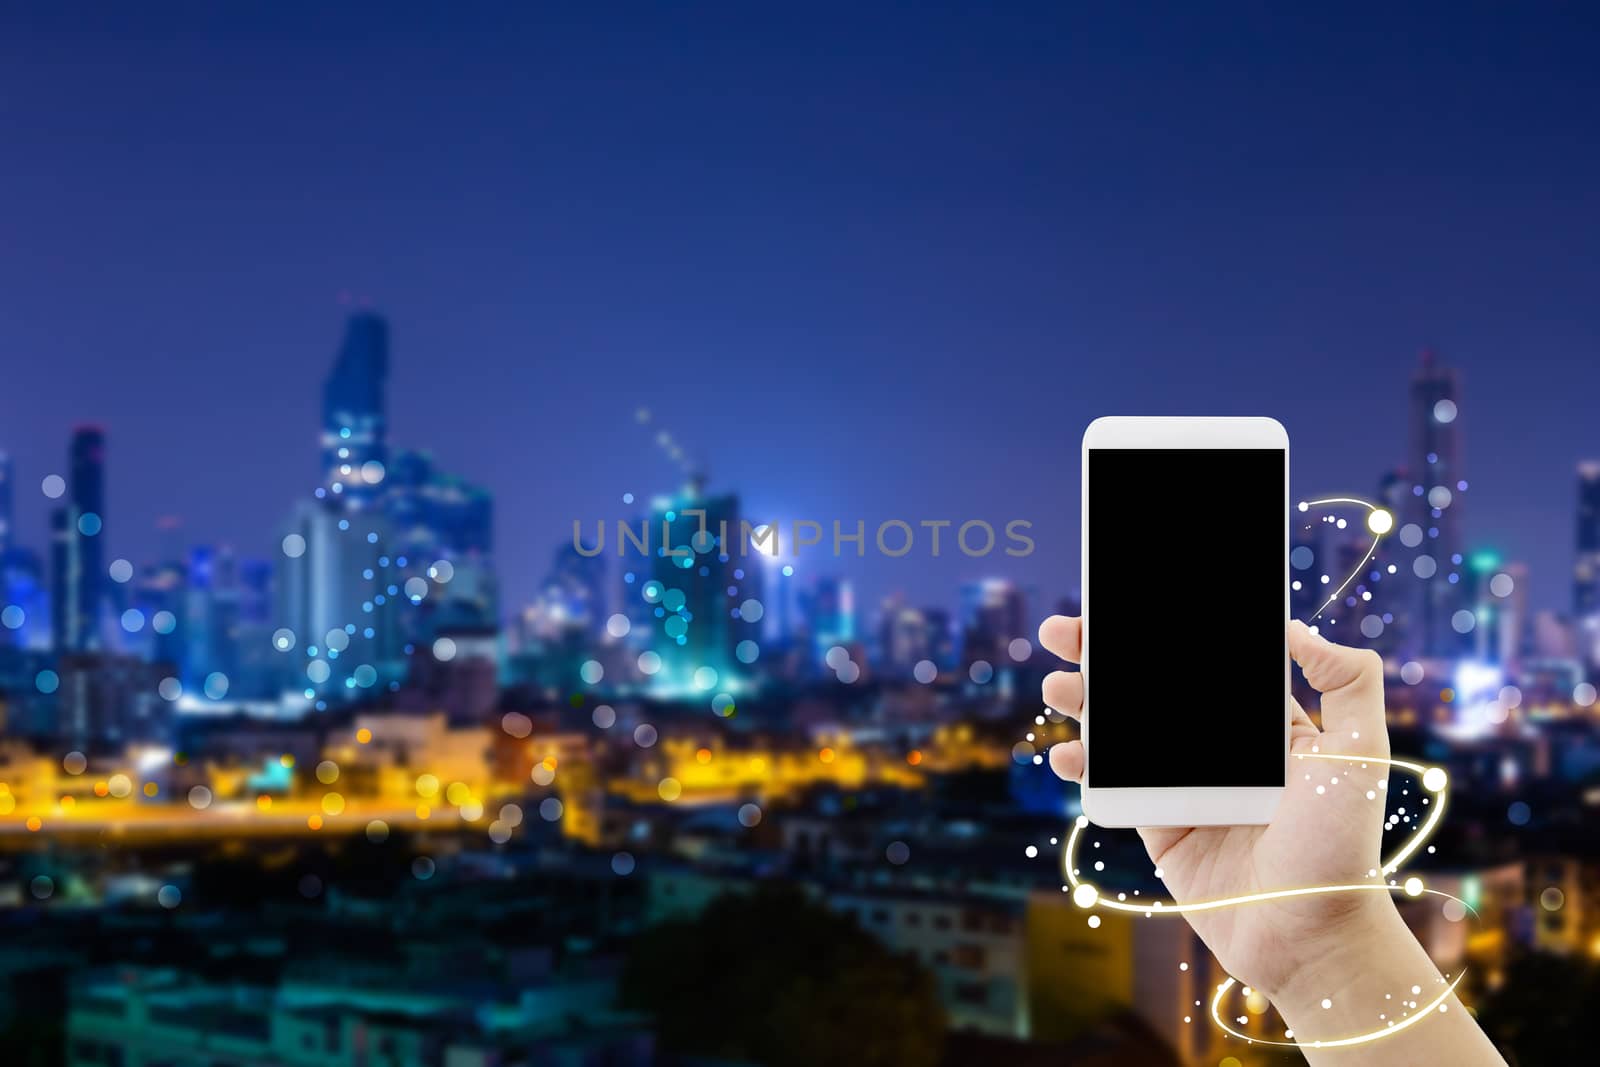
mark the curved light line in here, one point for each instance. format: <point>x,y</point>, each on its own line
<point>1389,866</point>
<point>1340,1042</point>
<point>1372,550</point>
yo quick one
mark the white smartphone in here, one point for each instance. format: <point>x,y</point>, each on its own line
<point>1186,709</point>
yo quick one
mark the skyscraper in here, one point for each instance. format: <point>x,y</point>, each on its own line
<point>1436,471</point>
<point>354,427</point>
<point>77,571</point>
<point>5,503</point>
<point>1586,571</point>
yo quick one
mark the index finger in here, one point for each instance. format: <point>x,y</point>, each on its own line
<point>1063,635</point>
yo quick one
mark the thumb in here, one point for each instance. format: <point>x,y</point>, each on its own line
<point>1349,679</point>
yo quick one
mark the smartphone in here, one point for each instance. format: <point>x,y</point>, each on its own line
<point>1186,709</point>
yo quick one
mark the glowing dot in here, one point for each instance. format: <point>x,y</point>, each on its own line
<point>1434,779</point>
<point>591,672</point>
<point>1380,521</point>
<point>1020,649</point>
<point>747,651</point>
<point>618,625</point>
<point>1463,621</point>
<point>1584,695</point>
<point>649,662</point>
<point>294,546</point>
<point>1085,895</point>
<point>1445,411</point>
<point>1411,672</point>
<point>622,864</point>
<point>1326,1003</point>
<point>1094,922</point>
<point>749,816</point>
<point>925,671</point>
<point>1413,887</point>
<point>216,685</point>
<point>1552,899</point>
<point>53,486</point>
<point>47,681</point>
<point>169,897</point>
<point>980,671</point>
<point>644,735</point>
<point>604,716</point>
<point>444,650</point>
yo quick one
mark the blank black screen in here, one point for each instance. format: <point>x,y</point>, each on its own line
<point>1185,682</point>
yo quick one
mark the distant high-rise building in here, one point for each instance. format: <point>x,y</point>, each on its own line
<point>1437,484</point>
<point>438,516</point>
<point>1586,572</point>
<point>354,428</point>
<point>5,503</point>
<point>340,590</point>
<point>993,613</point>
<point>705,583</point>
<point>77,571</point>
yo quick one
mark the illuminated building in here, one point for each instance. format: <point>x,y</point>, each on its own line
<point>993,613</point>
<point>354,426</point>
<point>326,587</point>
<point>23,587</point>
<point>702,622</point>
<point>438,516</point>
<point>77,571</point>
<point>6,473</point>
<point>147,1016</point>
<point>975,944</point>
<point>1586,572</point>
<point>1157,968</point>
<point>830,611</point>
<point>106,701</point>
<point>1435,465</point>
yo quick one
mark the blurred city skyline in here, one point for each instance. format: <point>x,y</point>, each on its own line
<point>811,257</point>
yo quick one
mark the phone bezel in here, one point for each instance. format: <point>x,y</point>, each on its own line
<point>1181,805</point>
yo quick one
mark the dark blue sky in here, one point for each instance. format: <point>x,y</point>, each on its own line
<point>880,263</point>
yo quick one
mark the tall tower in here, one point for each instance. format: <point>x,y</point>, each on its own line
<point>1435,506</point>
<point>1586,571</point>
<point>354,430</point>
<point>77,571</point>
<point>5,503</point>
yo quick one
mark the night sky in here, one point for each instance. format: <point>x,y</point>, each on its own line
<point>862,264</point>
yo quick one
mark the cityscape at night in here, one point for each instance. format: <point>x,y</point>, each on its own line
<point>505,656</point>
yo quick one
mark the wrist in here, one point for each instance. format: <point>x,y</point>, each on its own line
<point>1370,948</point>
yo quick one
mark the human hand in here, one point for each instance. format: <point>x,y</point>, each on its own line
<point>1328,829</point>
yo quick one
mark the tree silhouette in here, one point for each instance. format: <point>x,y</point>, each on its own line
<point>775,978</point>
